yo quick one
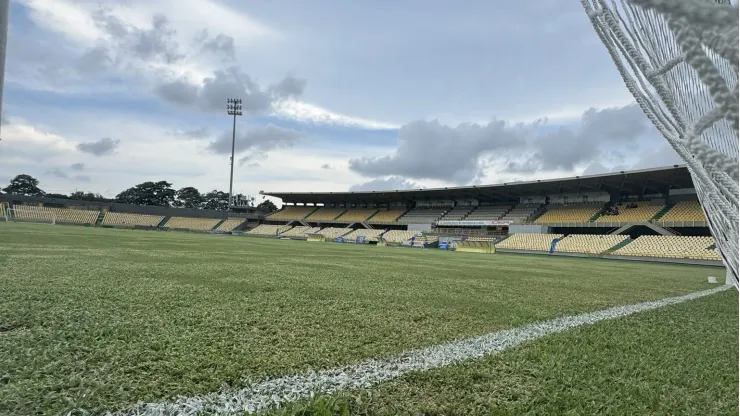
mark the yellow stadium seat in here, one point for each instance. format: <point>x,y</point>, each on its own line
<point>684,211</point>
<point>325,214</point>
<point>356,215</point>
<point>369,234</point>
<point>290,213</point>
<point>526,241</point>
<point>521,213</point>
<point>229,225</point>
<point>269,229</point>
<point>334,232</point>
<point>398,236</point>
<point>195,224</point>
<point>569,213</point>
<point>588,243</point>
<point>58,215</point>
<point>644,211</point>
<point>124,219</point>
<point>674,246</point>
<point>386,217</point>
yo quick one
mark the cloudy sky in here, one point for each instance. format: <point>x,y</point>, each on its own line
<point>101,95</point>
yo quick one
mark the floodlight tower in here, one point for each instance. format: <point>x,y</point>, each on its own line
<point>233,108</point>
<point>4,11</point>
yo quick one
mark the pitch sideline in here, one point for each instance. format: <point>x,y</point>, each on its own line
<point>367,373</point>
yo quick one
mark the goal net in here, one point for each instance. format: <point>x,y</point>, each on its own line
<point>679,59</point>
<point>20,214</point>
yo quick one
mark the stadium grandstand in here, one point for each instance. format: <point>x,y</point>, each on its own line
<point>618,215</point>
<point>651,214</point>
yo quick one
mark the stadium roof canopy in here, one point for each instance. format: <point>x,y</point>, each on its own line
<point>636,182</point>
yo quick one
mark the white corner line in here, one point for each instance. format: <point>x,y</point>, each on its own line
<point>364,374</point>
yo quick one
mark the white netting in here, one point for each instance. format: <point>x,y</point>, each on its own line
<point>679,59</point>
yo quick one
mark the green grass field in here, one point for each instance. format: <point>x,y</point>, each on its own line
<point>99,319</point>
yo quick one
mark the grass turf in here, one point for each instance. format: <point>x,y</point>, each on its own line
<point>678,360</point>
<point>98,319</point>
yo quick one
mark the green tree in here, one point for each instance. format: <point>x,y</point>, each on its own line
<point>267,206</point>
<point>189,197</point>
<point>87,196</point>
<point>158,194</point>
<point>217,200</point>
<point>25,185</point>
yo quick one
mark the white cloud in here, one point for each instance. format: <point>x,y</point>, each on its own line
<point>311,113</point>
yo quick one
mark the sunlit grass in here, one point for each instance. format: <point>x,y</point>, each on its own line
<point>678,360</point>
<point>99,319</point>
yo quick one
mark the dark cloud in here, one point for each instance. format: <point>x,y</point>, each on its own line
<point>430,150</point>
<point>225,83</point>
<point>77,166</point>
<point>326,166</point>
<point>255,142</point>
<point>102,147</point>
<point>289,87</point>
<point>385,184</point>
<point>57,172</point>
<point>221,45</point>
<point>156,44</point>
<point>60,173</point>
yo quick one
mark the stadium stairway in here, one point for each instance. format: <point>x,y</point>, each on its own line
<point>218,224</point>
<point>662,212</point>
<point>370,217</point>
<point>596,216</point>
<point>164,221</point>
<point>618,246</point>
<point>540,212</point>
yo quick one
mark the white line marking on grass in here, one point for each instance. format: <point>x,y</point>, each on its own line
<point>367,373</point>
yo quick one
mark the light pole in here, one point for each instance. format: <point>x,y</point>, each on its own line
<point>4,11</point>
<point>233,108</point>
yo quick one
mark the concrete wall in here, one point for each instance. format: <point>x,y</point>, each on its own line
<point>420,227</point>
<point>528,229</point>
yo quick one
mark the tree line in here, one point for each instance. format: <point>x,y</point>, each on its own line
<point>158,194</point>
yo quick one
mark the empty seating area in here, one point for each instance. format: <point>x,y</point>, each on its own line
<point>680,247</point>
<point>398,236</point>
<point>122,219</point>
<point>386,217</point>
<point>629,212</point>
<point>483,239</point>
<point>370,235</point>
<point>334,232</point>
<point>684,211</point>
<point>325,215</point>
<point>569,213</point>
<point>422,216</point>
<point>521,213</point>
<point>534,242</point>
<point>229,225</point>
<point>300,231</point>
<point>59,215</point>
<point>32,213</point>
<point>290,213</point>
<point>269,229</point>
<point>488,213</point>
<point>196,224</point>
<point>356,215</point>
<point>457,213</point>
<point>588,243</point>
